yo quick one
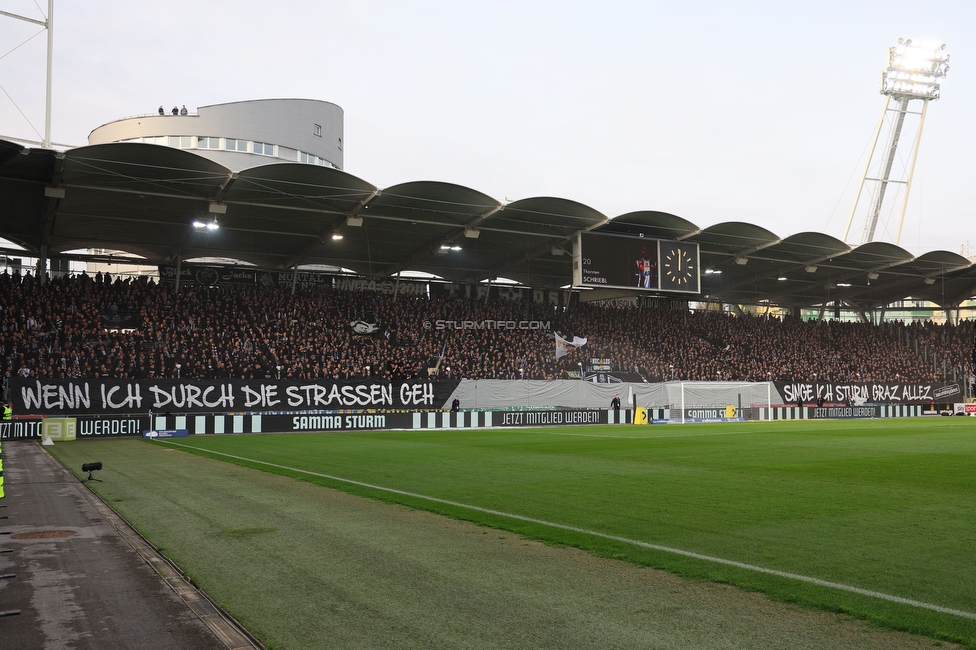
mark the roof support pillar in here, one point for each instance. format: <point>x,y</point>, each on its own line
<point>179,272</point>
<point>952,315</point>
<point>42,265</point>
<point>53,195</point>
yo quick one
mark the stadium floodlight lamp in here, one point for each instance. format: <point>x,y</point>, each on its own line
<point>354,221</point>
<point>811,269</point>
<point>199,224</point>
<point>915,70</point>
<point>445,247</point>
<point>336,236</point>
<point>929,280</point>
<point>742,261</point>
<point>781,278</point>
<point>873,275</point>
<point>843,284</point>
<point>212,226</point>
<point>472,233</point>
<point>455,247</point>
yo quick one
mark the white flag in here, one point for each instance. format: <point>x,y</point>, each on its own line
<point>563,347</point>
<point>577,341</point>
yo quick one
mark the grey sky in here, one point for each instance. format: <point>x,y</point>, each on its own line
<point>715,111</point>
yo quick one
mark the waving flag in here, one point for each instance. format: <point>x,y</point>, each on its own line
<point>564,346</point>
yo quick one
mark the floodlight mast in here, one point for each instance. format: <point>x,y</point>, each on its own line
<point>914,73</point>
<point>49,26</point>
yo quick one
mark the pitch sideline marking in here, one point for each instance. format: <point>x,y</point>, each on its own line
<point>634,542</point>
<point>597,435</point>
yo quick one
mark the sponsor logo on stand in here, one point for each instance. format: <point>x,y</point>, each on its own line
<point>165,433</point>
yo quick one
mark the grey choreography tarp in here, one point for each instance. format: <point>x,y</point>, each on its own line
<point>568,393</point>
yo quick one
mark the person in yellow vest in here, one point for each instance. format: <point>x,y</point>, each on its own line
<point>7,414</point>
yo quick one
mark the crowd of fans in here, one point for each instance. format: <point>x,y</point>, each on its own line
<point>58,330</point>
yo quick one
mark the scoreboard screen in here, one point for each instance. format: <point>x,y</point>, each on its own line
<point>625,262</point>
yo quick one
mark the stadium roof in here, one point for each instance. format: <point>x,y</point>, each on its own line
<point>144,198</point>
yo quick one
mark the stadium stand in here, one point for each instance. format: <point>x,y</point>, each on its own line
<point>59,330</point>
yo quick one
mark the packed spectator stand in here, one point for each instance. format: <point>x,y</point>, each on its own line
<point>57,330</point>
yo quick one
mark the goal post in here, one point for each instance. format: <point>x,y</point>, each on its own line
<point>701,401</point>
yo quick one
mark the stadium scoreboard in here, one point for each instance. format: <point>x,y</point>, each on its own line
<point>642,263</point>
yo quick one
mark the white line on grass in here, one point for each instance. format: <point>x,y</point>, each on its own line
<point>678,435</point>
<point>615,538</point>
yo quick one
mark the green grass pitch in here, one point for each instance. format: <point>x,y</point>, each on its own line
<point>882,506</point>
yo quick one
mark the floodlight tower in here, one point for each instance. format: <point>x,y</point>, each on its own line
<point>914,74</point>
<point>49,26</point>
